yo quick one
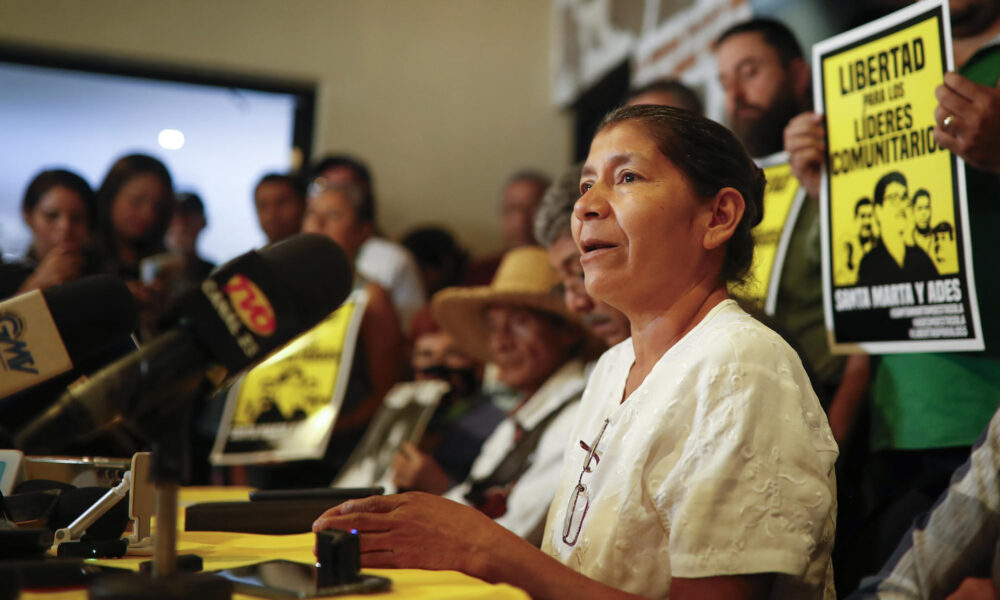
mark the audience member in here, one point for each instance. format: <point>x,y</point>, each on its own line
<point>666,92</point>
<point>334,210</point>
<point>135,202</point>
<point>331,210</point>
<point>552,229</point>
<point>520,196</point>
<point>60,209</point>
<point>927,409</point>
<point>280,202</point>
<point>677,481</point>
<point>519,324</point>
<point>462,421</point>
<point>380,260</point>
<point>441,260</point>
<point>522,193</point>
<point>766,80</point>
<point>186,225</point>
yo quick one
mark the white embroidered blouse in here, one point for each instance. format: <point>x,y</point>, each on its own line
<point>719,463</point>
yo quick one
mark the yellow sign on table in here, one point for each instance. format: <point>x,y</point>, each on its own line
<point>284,408</point>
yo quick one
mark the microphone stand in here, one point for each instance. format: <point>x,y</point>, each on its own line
<point>165,583</point>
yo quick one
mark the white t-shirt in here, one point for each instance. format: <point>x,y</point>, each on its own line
<point>719,463</point>
<point>393,267</point>
<point>529,500</point>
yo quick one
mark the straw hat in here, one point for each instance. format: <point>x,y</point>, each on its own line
<point>524,278</point>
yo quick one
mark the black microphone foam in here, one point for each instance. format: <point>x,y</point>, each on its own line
<point>93,314</point>
<point>314,270</point>
<point>245,309</point>
<point>258,302</point>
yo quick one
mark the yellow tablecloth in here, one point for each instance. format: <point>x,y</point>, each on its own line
<point>221,550</point>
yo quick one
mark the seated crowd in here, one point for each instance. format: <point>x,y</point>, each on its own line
<point>615,424</point>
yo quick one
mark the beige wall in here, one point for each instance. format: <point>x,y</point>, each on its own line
<point>442,97</point>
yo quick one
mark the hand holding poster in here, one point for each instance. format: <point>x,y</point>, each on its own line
<point>897,264</point>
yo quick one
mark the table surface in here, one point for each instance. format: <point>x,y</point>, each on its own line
<point>222,550</point>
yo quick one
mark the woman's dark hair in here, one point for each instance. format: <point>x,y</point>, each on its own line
<point>46,180</point>
<point>712,158</point>
<point>124,169</point>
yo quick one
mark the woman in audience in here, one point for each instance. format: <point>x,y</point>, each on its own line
<point>135,202</point>
<point>60,209</point>
<point>701,465</point>
<point>331,211</point>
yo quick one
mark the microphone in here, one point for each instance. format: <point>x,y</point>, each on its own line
<point>247,308</point>
<point>44,333</point>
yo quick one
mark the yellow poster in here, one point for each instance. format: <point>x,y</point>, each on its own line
<point>892,200</point>
<point>783,197</point>
<point>285,407</point>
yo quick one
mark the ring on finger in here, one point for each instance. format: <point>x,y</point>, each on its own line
<point>946,123</point>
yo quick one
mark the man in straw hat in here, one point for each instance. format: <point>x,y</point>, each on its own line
<point>522,326</point>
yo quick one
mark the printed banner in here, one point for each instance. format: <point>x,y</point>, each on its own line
<point>783,197</point>
<point>284,408</point>
<point>897,261</point>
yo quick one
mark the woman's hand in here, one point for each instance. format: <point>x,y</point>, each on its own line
<point>806,146</point>
<point>420,531</point>
<point>60,265</point>
<point>973,115</point>
<point>415,470</point>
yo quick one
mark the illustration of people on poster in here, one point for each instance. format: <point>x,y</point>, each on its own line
<point>285,408</point>
<point>783,198</point>
<point>896,252</point>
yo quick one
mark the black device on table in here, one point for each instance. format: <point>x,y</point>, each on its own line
<point>271,512</point>
<point>337,572</point>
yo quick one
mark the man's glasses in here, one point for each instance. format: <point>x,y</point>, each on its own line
<point>579,500</point>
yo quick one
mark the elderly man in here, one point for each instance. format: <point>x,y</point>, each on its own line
<point>520,325</point>
<point>552,229</point>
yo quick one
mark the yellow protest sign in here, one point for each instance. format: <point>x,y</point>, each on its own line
<point>285,407</point>
<point>783,197</point>
<point>896,274</point>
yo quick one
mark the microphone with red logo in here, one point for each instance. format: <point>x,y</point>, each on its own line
<point>45,333</point>
<point>247,308</point>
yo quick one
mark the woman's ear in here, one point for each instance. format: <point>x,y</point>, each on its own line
<point>727,211</point>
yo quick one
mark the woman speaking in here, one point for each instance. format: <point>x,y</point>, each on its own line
<point>701,464</point>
